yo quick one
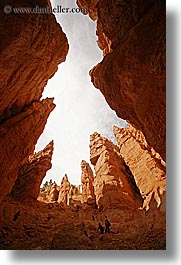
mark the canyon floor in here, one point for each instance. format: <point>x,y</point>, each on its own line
<point>55,227</point>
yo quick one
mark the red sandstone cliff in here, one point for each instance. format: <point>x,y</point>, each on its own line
<point>132,74</point>
<point>113,185</point>
<point>64,191</point>
<point>18,136</point>
<point>32,46</point>
<point>145,164</point>
<point>53,195</point>
<point>49,193</point>
<point>31,174</point>
<point>132,78</point>
<point>87,178</point>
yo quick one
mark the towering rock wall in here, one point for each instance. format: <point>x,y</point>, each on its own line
<point>145,164</point>
<point>18,136</point>
<point>87,178</point>
<point>132,74</point>
<point>32,46</point>
<point>31,174</point>
<point>112,184</point>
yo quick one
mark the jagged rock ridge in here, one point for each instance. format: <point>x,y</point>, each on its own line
<point>67,221</point>
<point>145,164</point>
<point>111,184</point>
<point>87,178</point>
<point>32,46</point>
<point>132,73</point>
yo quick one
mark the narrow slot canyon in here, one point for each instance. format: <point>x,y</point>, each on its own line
<point>93,165</point>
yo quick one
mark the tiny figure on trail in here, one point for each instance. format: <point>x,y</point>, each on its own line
<point>107,225</point>
<point>17,214</point>
<point>146,213</point>
<point>101,228</point>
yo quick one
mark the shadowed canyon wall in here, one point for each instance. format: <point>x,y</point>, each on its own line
<point>32,46</point>
<point>131,75</point>
<point>31,174</point>
<point>128,179</point>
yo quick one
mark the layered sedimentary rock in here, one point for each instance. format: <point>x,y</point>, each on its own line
<point>112,184</point>
<point>64,190</point>
<point>87,178</point>
<point>31,174</point>
<point>18,136</point>
<point>32,46</point>
<point>54,192</point>
<point>132,74</point>
<point>49,193</point>
<point>75,195</point>
<point>145,164</point>
<point>67,193</point>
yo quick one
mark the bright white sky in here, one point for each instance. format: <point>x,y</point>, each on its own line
<point>80,108</point>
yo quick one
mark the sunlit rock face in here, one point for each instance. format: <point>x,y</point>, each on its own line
<point>87,178</point>
<point>49,193</point>
<point>53,195</point>
<point>32,46</point>
<point>31,174</point>
<point>73,223</point>
<point>64,190</point>
<point>145,164</point>
<point>113,185</point>
<point>132,74</point>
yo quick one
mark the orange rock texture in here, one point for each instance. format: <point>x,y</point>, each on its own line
<point>129,182</point>
<point>32,46</point>
<point>65,194</point>
<point>64,190</point>
<point>145,164</point>
<point>31,174</point>
<point>73,223</point>
<point>90,6</point>
<point>53,196</point>
<point>46,226</point>
<point>87,178</point>
<point>132,74</point>
<point>113,186</point>
<point>19,135</point>
<point>49,194</point>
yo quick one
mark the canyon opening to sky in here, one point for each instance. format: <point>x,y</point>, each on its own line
<point>81,109</point>
<point>110,173</point>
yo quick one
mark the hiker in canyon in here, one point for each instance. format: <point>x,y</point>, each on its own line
<point>107,225</point>
<point>101,228</point>
<point>17,214</point>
